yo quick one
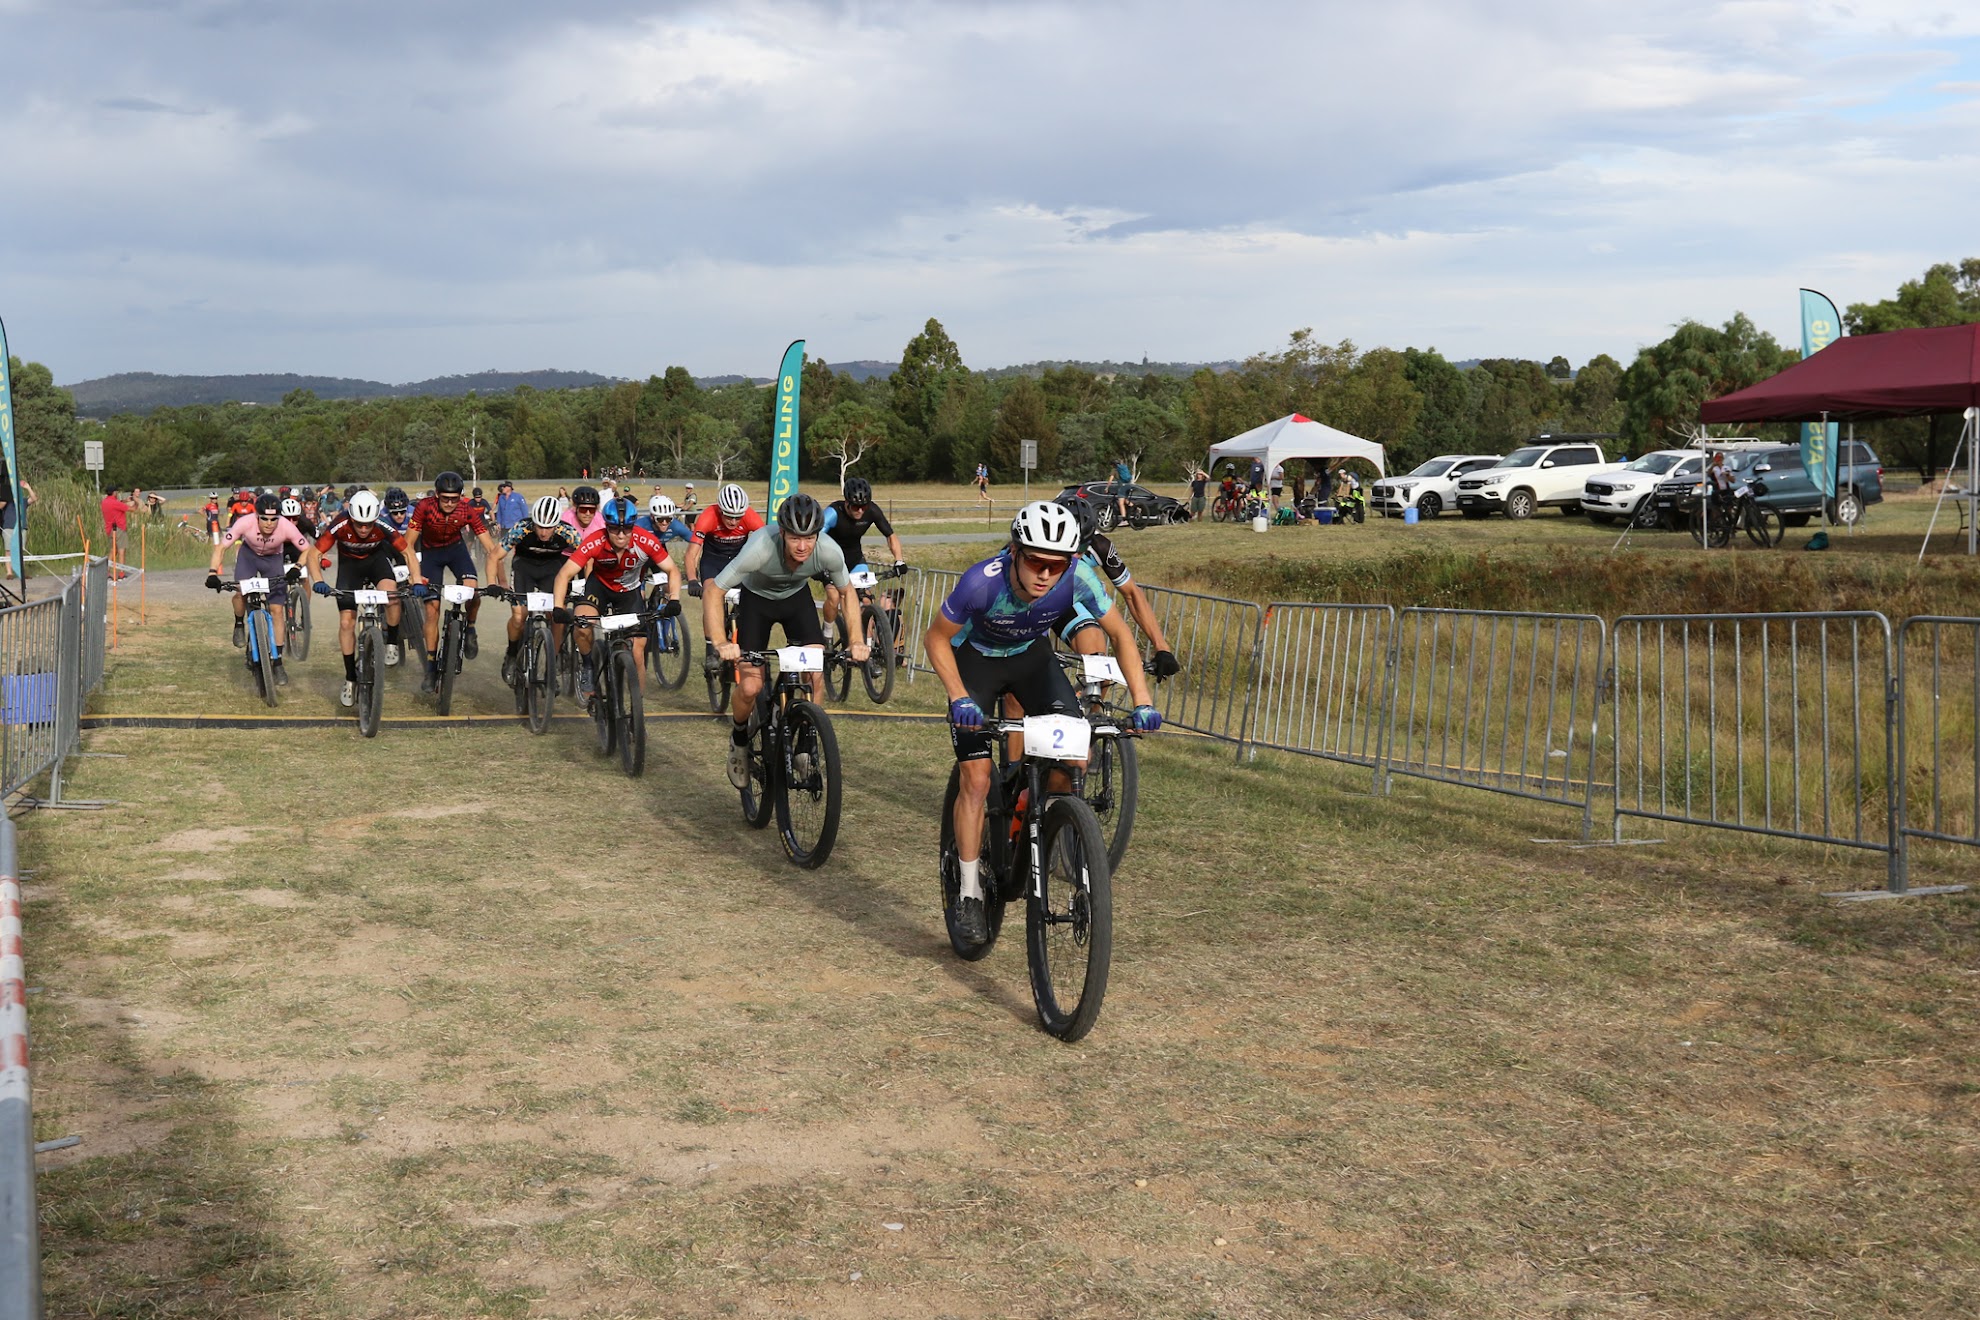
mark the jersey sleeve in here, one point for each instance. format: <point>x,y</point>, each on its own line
<point>704,523</point>
<point>588,549</point>
<point>476,521</point>
<point>973,592</point>
<point>833,561</point>
<point>1090,589</point>
<point>880,523</point>
<point>831,516</point>
<point>329,537</point>
<point>1109,561</point>
<point>753,556</point>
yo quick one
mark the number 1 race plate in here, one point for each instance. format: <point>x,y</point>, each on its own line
<point>1102,669</point>
<point>863,578</point>
<point>801,659</point>
<point>1059,737</point>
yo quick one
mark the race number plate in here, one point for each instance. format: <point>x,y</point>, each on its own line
<point>801,659</point>
<point>660,576</point>
<point>254,586</point>
<point>864,578</point>
<point>732,597</point>
<point>456,594</point>
<point>370,596</point>
<point>1102,669</point>
<point>401,572</point>
<point>577,586</point>
<point>618,622</point>
<point>539,602</point>
<point>1060,737</point>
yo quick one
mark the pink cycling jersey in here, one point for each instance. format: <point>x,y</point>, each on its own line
<point>248,532</point>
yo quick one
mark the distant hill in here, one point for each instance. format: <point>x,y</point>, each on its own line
<point>1141,368</point>
<point>141,391</point>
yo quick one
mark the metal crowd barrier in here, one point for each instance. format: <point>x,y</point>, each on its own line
<point>1321,678</point>
<point>20,1250</point>
<point>1216,641</point>
<point>1776,724</point>
<point>1503,701</point>
<point>1940,766</point>
<point>95,619</point>
<point>35,689</point>
<point>928,588</point>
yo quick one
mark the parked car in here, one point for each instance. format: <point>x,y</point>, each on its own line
<point>1144,507</point>
<point>1785,485</point>
<point>1631,492</point>
<point>1429,488</point>
<point>1531,478</point>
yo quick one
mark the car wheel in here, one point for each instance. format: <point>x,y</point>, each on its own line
<point>1645,515</point>
<point>1846,509</point>
<point>1428,505</point>
<point>1520,505</point>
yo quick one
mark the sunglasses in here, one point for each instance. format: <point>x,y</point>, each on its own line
<point>1046,567</point>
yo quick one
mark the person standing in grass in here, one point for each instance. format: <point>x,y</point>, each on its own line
<point>116,521</point>
<point>1199,492</point>
<point>983,483</point>
<point>13,518</point>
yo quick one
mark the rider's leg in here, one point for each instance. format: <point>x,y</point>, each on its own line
<point>347,641</point>
<point>749,683</point>
<point>517,618</point>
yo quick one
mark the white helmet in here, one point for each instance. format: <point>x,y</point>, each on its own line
<point>1043,525</point>
<point>733,500</point>
<point>363,507</point>
<point>547,511</point>
<point>292,507</point>
<point>661,507</point>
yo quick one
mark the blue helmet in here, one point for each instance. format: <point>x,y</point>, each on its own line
<point>619,513</point>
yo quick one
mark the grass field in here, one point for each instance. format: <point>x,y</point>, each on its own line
<point>460,1022</point>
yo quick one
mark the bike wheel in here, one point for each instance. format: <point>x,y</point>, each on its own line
<point>370,688</point>
<point>261,629</point>
<point>1113,779</point>
<point>993,903</point>
<point>604,702</point>
<point>838,677</point>
<point>878,671</point>
<point>808,786</point>
<point>756,804</point>
<point>630,707</point>
<point>539,682</point>
<point>670,663</point>
<point>299,629</point>
<point>1069,922</point>
<point>567,664</point>
<point>1764,526</point>
<point>450,641</point>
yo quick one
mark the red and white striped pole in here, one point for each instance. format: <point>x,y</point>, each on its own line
<point>20,1249</point>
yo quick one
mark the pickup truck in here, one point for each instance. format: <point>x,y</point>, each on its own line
<point>1531,478</point>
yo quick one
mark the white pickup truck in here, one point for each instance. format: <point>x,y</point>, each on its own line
<point>1531,478</point>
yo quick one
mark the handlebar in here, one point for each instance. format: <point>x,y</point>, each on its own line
<point>762,659</point>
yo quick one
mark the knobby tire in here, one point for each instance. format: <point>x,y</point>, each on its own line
<point>756,803</point>
<point>878,671</point>
<point>1069,922</point>
<point>261,629</point>
<point>539,679</point>
<point>808,802</point>
<point>450,638</point>
<point>630,709</point>
<point>370,686</point>
<point>1113,780</point>
<point>993,903</point>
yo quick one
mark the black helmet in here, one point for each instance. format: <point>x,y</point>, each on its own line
<point>477,492</point>
<point>585,495</point>
<point>349,490</point>
<point>859,490</point>
<point>1083,514</point>
<point>267,506</point>
<point>395,499</point>
<point>800,515</point>
<point>448,483</point>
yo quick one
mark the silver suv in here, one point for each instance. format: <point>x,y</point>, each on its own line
<point>1429,488</point>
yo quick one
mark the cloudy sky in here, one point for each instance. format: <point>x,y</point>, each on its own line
<point>415,188</point>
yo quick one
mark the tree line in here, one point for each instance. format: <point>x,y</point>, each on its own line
<point>934,418</point>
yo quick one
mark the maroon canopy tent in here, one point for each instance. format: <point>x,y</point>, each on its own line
<point>1901,373</point>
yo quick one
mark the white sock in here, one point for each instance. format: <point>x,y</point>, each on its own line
<point>971,887</point>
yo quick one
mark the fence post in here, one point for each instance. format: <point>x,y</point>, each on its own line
<point>1384,742</point>
<point>20,1248</point>
<point>1898,880</point>
<point>1245,751</point>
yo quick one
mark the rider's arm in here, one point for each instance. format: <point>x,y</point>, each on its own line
<point>894,548</point>
<point>673,572</point>
<point>711,618</point>
<point>495,565</point>
<point>836,574</point>
<point>1123,641</point>
<point>938,647</point>
<point>412,550</point>
<point>1143,613</point>
<point>571,568</point>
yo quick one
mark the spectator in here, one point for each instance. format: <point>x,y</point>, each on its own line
<point>563,500</point>
<point>156,503</point>
<point>983,483</point>
<point>1278,484</point>
<point>116,521</point>
<point>1123,478</point>
<point>329,504</point>
<point>688,501</point>
<point>13,518</point>
<point>510,508</point>
<point>1199,486</point>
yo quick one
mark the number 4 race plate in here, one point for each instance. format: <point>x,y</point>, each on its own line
<point>1059,737</point>
<point>801,659</point>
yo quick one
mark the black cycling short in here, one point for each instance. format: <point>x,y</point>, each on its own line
<point>713,563</point>
<point>1033,676</point>
<point>607,601</point>
<point>534,573</point>
<point>797,612</point>
<point>364,572</point>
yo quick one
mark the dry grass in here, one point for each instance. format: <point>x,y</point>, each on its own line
<point>461,1022</point>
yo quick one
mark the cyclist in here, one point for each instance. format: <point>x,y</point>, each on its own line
<point>365,545</point>
<point>614,561</point>
<point>538,548</point>
<point>846,521</point>
<point>992,638</point>
<point>1083,632</point>
<point>773,570</point>
<point>437,531</point>
<point>582,516</point>
<point>663,519</point>
<point>212,512</point>
<point>718,536</point>
<point>262,535</point>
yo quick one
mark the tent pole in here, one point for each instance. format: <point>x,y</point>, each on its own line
<point>1971,495</point>
<point>1850,468</point>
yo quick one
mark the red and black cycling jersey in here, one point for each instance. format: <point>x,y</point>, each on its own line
<point>619,570</point>
<point>356,540</point>
<point>723,541</point>
<point>438,530</point>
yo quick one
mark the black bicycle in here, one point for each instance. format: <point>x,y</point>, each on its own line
<point>533,676</point>
<point>721,675</point>
<point>667,642</point>
<point>1046,847</point>
<point>1112,781</point>
<point>368,654</point>
<point>880,619</point>
<point>569,661</point>
<point>793,758</point>
<point>455,597</point>
<point>618,708</point>
<point>1713,521</point>
<point>299,620</point>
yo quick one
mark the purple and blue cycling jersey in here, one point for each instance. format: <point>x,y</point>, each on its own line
<point>994,621</point>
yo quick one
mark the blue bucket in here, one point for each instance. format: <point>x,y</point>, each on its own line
<point>1409,516</point>
<point>28,698</point>
<point>1323,516</point>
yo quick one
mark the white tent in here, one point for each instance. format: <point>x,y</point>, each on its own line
<point>1295,437</point>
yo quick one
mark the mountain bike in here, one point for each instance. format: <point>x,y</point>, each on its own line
<point>299,623</point>
<point>793,758</point>
<point>569,660</point>
<point>1112,780</point>
<point>262,650</point>
<point>1713,521</point>
<point>667,644</point>
<point>455,596</point>
<point>1227,508</point>
<point>368,654</point>
<point>1045,847</point>
<point>533,676</point>
<point>618,708</point>
<point>722,678</point>
<point>880,619</point>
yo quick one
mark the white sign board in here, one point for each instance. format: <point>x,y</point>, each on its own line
<point>1028,454</point>
<point>93,455</point>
